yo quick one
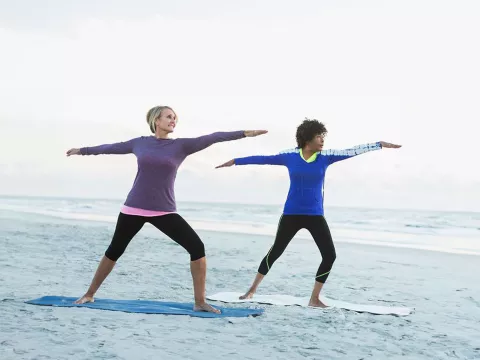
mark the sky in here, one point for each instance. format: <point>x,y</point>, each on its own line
<point>85,73</point>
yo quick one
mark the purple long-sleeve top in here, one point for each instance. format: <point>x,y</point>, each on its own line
<point>158,161</point>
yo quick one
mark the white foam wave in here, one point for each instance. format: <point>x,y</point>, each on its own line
<point>344,234</point>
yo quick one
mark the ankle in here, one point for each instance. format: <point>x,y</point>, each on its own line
<point>200,300</point>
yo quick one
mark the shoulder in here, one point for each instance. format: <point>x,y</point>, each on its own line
<point>326,152</point>
<point>141,139</point>
<point>291,151</point>
<point>330,152</point>
<point>150,139</point>
<point>183,139</point>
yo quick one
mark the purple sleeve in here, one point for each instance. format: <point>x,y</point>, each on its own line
<point>125,147</point>
<point>193,145</point>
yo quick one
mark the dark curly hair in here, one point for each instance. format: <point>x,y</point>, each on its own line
<point>307,131</point>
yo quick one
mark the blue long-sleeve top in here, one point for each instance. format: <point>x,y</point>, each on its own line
<point>305,195</point>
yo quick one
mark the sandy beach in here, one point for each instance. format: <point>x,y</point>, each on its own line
<point>46,255</point>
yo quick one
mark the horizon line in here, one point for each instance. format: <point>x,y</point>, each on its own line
<point>58,197</point>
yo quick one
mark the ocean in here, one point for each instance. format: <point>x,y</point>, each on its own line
<point>428,260</point>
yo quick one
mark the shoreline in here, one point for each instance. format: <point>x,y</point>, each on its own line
<point>304,239</point>
<point>121,200</point>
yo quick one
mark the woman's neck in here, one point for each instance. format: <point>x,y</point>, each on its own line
<point>307,153</point>
<point>159,134</point>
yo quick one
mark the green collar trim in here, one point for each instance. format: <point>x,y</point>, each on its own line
<point>311,159</point>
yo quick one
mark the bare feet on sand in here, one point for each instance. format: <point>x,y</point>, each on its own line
<point>248,295</point>
<point>205,307</point>
<point>317,303</point>
<point>85,299</point>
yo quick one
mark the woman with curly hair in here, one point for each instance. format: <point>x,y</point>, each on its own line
<point>303,209</point>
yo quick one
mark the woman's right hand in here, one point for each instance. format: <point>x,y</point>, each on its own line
<point>228,163</point>
<point>73,151</point>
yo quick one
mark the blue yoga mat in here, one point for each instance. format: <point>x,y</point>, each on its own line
<point>145,307</point>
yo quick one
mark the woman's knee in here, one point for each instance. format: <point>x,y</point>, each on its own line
<point>197,251</point>
<point>114,253</point>
<point>331,257</point>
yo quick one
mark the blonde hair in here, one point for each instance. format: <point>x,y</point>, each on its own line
<point>153,114</point>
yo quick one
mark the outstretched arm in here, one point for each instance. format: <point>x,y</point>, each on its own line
<point>193,145</point>
<point>338,155</point>
<point>279,159</point>
<point>125,147</point>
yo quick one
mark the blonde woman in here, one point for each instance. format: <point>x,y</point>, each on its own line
<point>152,197</point>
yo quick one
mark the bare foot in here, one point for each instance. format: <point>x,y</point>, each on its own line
<point>317,303</point>
<point>248,295</point>
<point>85,299</point>
<point>205,307</point>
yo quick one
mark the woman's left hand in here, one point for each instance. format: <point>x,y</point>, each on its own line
<point>388,145</point>
<point>252,133</point>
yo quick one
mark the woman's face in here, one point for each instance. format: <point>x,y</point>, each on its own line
<point>316,144</point>
<point>166,121</point>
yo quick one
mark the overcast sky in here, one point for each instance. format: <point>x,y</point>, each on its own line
<point>85,73</point>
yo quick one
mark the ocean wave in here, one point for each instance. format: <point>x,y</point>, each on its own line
<point>343,233</point>
<point>422,226</point>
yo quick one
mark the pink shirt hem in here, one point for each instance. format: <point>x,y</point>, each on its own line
<point>127,210</point>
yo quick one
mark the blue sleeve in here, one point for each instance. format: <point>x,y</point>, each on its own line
<point>193,145</point>
<point>333,156</point>
<point>278,159</point>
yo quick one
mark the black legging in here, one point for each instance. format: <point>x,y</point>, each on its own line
<point>288,226</point>
<point>172,225</point>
